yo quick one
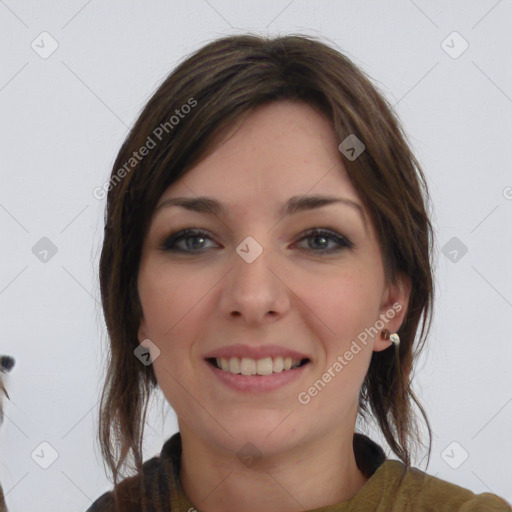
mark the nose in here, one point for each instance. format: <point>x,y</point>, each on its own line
<point>254,289</point>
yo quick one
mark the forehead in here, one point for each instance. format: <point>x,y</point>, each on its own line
<point>279,150</point>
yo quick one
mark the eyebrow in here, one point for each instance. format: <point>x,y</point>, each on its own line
<point>295,204</point>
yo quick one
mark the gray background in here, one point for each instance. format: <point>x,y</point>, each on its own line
<point>64,117</point>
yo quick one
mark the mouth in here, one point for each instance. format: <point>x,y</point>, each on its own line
<point>257,367</point>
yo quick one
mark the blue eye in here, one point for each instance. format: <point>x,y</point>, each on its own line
<point>194,241</point>
<point>324,236</point>
<point>171,242</point>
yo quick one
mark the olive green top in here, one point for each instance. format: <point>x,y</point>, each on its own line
<point>390,487</point>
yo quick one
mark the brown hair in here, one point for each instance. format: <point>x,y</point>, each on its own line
<point>220,82</point>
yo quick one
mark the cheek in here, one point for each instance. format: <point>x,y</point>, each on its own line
<point>176,306</point>
<point>169,297</point>
<point>346,305</point>
<point>346,302</point>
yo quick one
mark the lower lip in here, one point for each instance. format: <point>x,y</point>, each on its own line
<point>257,383</point>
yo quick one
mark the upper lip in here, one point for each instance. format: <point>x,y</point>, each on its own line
<point>254,352</point>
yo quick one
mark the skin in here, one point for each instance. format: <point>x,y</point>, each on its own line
<point>290,295</point>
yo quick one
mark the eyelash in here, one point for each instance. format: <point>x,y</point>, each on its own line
<point>342,241</point>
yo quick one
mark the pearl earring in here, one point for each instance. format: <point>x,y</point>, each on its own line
<point>393,337</point>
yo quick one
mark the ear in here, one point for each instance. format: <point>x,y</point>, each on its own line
<point>393,309</point>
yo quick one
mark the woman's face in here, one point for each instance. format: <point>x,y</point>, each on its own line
<point>254,288</point>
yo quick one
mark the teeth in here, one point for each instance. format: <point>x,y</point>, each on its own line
<point>277,365</point>
<point>233,365</point>
<point>249,366</point>
<point>264,366</point>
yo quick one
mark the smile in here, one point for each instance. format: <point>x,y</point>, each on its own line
<point>258,367</point>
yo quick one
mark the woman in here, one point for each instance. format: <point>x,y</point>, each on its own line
<point>267,264</point>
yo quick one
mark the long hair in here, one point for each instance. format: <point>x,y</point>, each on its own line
<point>208,91</point>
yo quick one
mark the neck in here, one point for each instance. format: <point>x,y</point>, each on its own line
<point>321,473</point>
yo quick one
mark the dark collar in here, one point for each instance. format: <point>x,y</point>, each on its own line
<point>369,455</point>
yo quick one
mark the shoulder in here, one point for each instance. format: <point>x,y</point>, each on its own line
<point>153,482</point>
<point>105,503</point>
<point>416,490</point>
<point>126,495</point>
